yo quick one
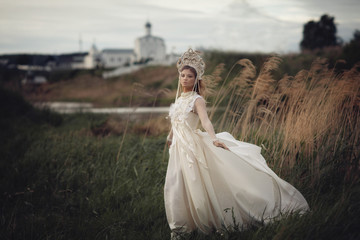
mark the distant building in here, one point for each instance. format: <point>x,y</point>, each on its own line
<point>150,48</point>
<point>111,58</point>
<point>93,58</point>
<point>147,49</point>
<point>31,78</point>
<point>70,61</point>
<point>108,58</point>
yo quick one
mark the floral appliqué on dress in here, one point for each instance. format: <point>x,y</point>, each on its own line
<point>183,106</point>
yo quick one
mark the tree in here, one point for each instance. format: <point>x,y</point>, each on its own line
<point>356,37</point>
<point>351,51</point>
<point>317,35</point>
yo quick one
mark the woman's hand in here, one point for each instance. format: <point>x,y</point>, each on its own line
<point>169,141</point>
<point>217,143</point>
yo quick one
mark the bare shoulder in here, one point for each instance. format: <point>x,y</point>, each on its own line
<point>200,104</point>
<point>200,101</point>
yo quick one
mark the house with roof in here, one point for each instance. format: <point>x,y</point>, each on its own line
<point>148,48</point>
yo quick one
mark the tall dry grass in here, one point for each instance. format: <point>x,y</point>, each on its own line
<point>308,117</point>
<point>87,176</point>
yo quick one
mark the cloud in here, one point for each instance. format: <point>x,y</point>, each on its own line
<point>248,28</point>
<point>256,25</point>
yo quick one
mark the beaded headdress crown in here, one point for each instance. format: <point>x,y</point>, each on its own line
<point>192,59</point>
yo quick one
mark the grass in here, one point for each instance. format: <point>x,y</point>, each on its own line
<point>86,176</point>
<point>65,182</point>
<point>307,119</point>
<point>87,86</point>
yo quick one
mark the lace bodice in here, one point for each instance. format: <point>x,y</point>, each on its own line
<point>182,111</point>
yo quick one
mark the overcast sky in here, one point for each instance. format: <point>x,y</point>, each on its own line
<point>55,26</point>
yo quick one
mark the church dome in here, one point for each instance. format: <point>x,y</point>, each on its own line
<point>149,47</point>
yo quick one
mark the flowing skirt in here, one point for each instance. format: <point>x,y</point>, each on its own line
<point>207,187</point>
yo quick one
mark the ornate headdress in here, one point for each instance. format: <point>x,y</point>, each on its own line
<point>192,59</point>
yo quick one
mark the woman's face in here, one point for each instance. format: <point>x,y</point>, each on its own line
<point>187,79</point>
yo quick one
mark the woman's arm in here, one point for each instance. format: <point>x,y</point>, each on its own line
<point>200,109</point>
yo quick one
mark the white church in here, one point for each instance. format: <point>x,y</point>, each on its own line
<point>148,49</point>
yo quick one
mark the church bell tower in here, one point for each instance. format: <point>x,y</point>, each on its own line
<point>148,28</point>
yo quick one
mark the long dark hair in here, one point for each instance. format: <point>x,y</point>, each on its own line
<point>199,85</point>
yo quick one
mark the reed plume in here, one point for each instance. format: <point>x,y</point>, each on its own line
<point>301,119</point>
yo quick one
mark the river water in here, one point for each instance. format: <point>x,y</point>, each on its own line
<point>75,107</point>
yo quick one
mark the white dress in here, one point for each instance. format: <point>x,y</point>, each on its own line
<point>206,186</point>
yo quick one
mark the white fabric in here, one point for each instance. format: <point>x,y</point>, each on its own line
<point>205,183</point>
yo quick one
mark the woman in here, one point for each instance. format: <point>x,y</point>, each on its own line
<point>213,179</point>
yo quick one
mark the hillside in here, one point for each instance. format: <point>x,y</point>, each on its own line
<point>89,176</point>
<point>144,85</point>
<point>153,85</point>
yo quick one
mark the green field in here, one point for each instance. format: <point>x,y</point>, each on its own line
<point>86,176</point>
